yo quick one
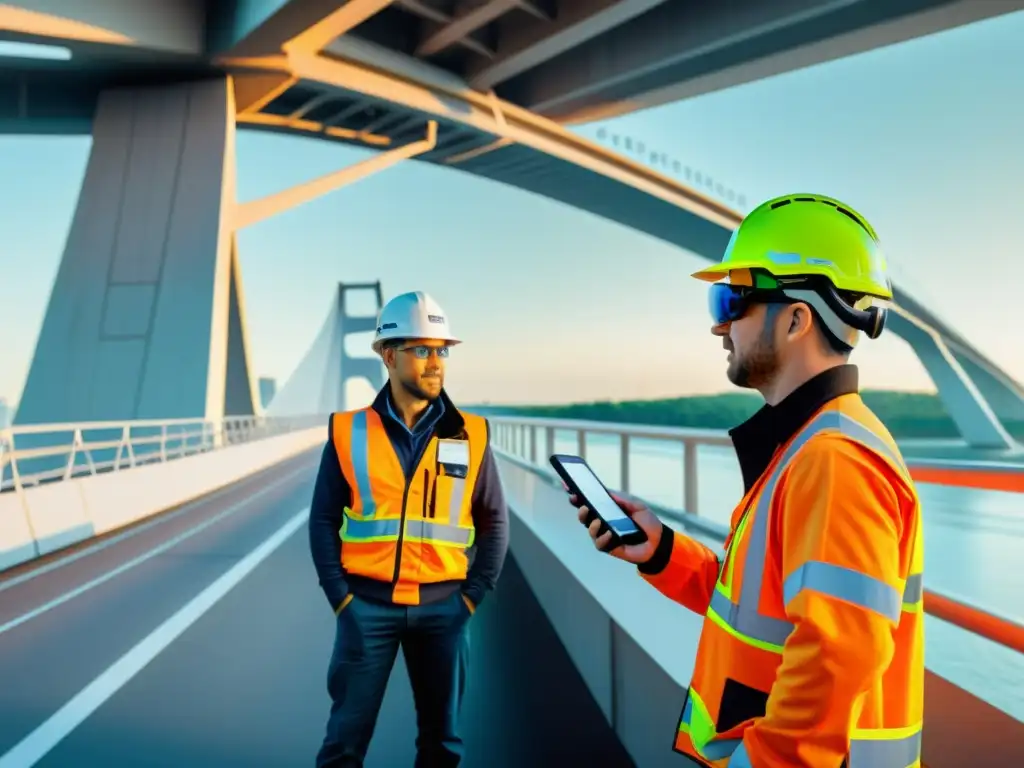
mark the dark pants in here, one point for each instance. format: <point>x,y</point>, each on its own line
<point>435,641</point>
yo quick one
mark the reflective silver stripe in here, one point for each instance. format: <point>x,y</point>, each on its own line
<point>914,589</point>
<point>744,616</point>
<point>455,503</point>
<point>844,584</point>
<point>360,450</point>
<point>716,750</point>
<point>366,530</point>
<point>765,629</point>
<point>858,431</point>
<point>431,531</point>
<point>884,753</point>
<point>740,759</point>
<point>864,753</point>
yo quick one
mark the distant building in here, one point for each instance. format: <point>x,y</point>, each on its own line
<point>268,388</point>
<point>6,413</point>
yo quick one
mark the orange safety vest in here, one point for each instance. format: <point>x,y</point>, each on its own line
<point>407,530</point>
<point>812,648</point>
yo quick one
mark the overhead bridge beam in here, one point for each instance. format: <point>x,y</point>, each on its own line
<point>490,116</point>
<point>267,27</point>
<point>247,214</point>
<point>467,20</point>
<point>535,153</point>
<point>525,46</point>
<point>344,19</point>
<point>684,49</point>
<point>159,29</point>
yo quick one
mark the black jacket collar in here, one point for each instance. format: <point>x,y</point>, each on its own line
<point>757,439</point>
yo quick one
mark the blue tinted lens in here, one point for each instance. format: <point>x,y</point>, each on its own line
<point>725,302</point>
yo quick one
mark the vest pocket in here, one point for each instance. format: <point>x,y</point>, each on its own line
<point>427,495</point>
<point>739,703</point>
<point>447,498</point>
<point>433,498</point>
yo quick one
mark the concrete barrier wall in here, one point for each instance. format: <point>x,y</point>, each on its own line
<point>43,519</point>
<point>635,648</point>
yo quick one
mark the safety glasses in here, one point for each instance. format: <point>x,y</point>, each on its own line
<point>422,351</point>
<point>727,303</point>
<point>730,301</point>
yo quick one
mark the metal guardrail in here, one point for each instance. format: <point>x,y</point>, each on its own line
<point>517,437</point>
<point>511,431</point>
<point>34,454</point>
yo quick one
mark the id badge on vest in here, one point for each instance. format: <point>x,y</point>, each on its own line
<point>453,458</point>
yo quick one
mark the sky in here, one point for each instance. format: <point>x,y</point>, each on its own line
<point>924,138</point>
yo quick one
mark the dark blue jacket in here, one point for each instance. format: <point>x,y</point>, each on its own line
<point>332,494</point>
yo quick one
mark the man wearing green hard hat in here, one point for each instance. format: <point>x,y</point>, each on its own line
<point>812,648</point>
<point>801,250</point>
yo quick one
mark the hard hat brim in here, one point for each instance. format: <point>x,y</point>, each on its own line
<point>713,274</point>
<point>718,272</point>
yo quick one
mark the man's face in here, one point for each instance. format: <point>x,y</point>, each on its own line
<point>418,366</point>
<point>754,358</point>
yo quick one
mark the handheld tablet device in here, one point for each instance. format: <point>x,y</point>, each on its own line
<point>582,482</point>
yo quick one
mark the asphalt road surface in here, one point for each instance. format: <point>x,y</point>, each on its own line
<point>201,638</point>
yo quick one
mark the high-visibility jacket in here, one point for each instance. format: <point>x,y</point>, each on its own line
<point>812,648</point>
<point>407,530</point>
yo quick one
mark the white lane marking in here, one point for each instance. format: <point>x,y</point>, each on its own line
<point>187,534</point>
<point>101,545</point>
<point>36,745</point>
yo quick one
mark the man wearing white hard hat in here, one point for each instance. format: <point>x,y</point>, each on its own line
<point>408,529</point>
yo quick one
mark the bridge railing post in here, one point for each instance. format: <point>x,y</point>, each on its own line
<point>690,472</point>
<point>624,463</point>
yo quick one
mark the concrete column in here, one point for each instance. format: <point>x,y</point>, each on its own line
<point>972,414</point>
<point>241,387</point>
<point>146,318</point>
<point>1004,395</point>
<point>366,366</point>
<point>319,380</point>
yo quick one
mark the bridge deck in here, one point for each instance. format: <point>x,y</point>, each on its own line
<point>94,676</point>
<point>245,684</point>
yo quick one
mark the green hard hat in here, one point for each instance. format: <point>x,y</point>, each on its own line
<point>799,235</point>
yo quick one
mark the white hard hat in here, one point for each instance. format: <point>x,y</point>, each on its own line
<point>412,315</point>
